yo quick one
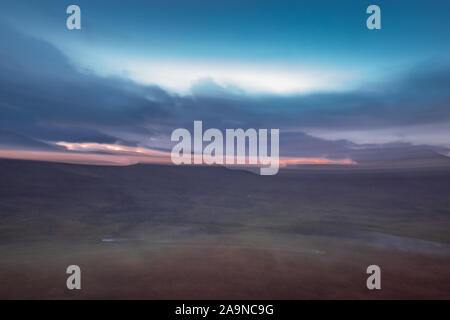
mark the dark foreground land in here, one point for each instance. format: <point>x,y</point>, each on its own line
<point>163,232</point>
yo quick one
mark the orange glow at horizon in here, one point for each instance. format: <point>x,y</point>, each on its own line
<point>92,146</point>
<point>295,161</point>
<point>119,155</point>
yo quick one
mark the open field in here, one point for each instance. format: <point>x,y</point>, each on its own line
<point>149,231</point>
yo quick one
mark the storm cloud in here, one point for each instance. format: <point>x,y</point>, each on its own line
<point>44,96</point>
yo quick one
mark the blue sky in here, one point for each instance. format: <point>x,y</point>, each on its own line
<point>310,44</point>
<point>139,69</point>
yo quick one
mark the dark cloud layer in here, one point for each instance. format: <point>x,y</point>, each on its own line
<point>42,95</point>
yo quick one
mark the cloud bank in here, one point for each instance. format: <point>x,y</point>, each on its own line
<point>44,97</point>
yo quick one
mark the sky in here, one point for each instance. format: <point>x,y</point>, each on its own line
<point>137,70</point>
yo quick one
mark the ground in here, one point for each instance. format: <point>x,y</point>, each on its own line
<point>165,232</point>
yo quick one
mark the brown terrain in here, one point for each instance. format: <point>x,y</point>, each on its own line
<point>163,232</point>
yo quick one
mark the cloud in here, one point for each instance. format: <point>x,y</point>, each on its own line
<point>45,97</point>
<point>255,78</point>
